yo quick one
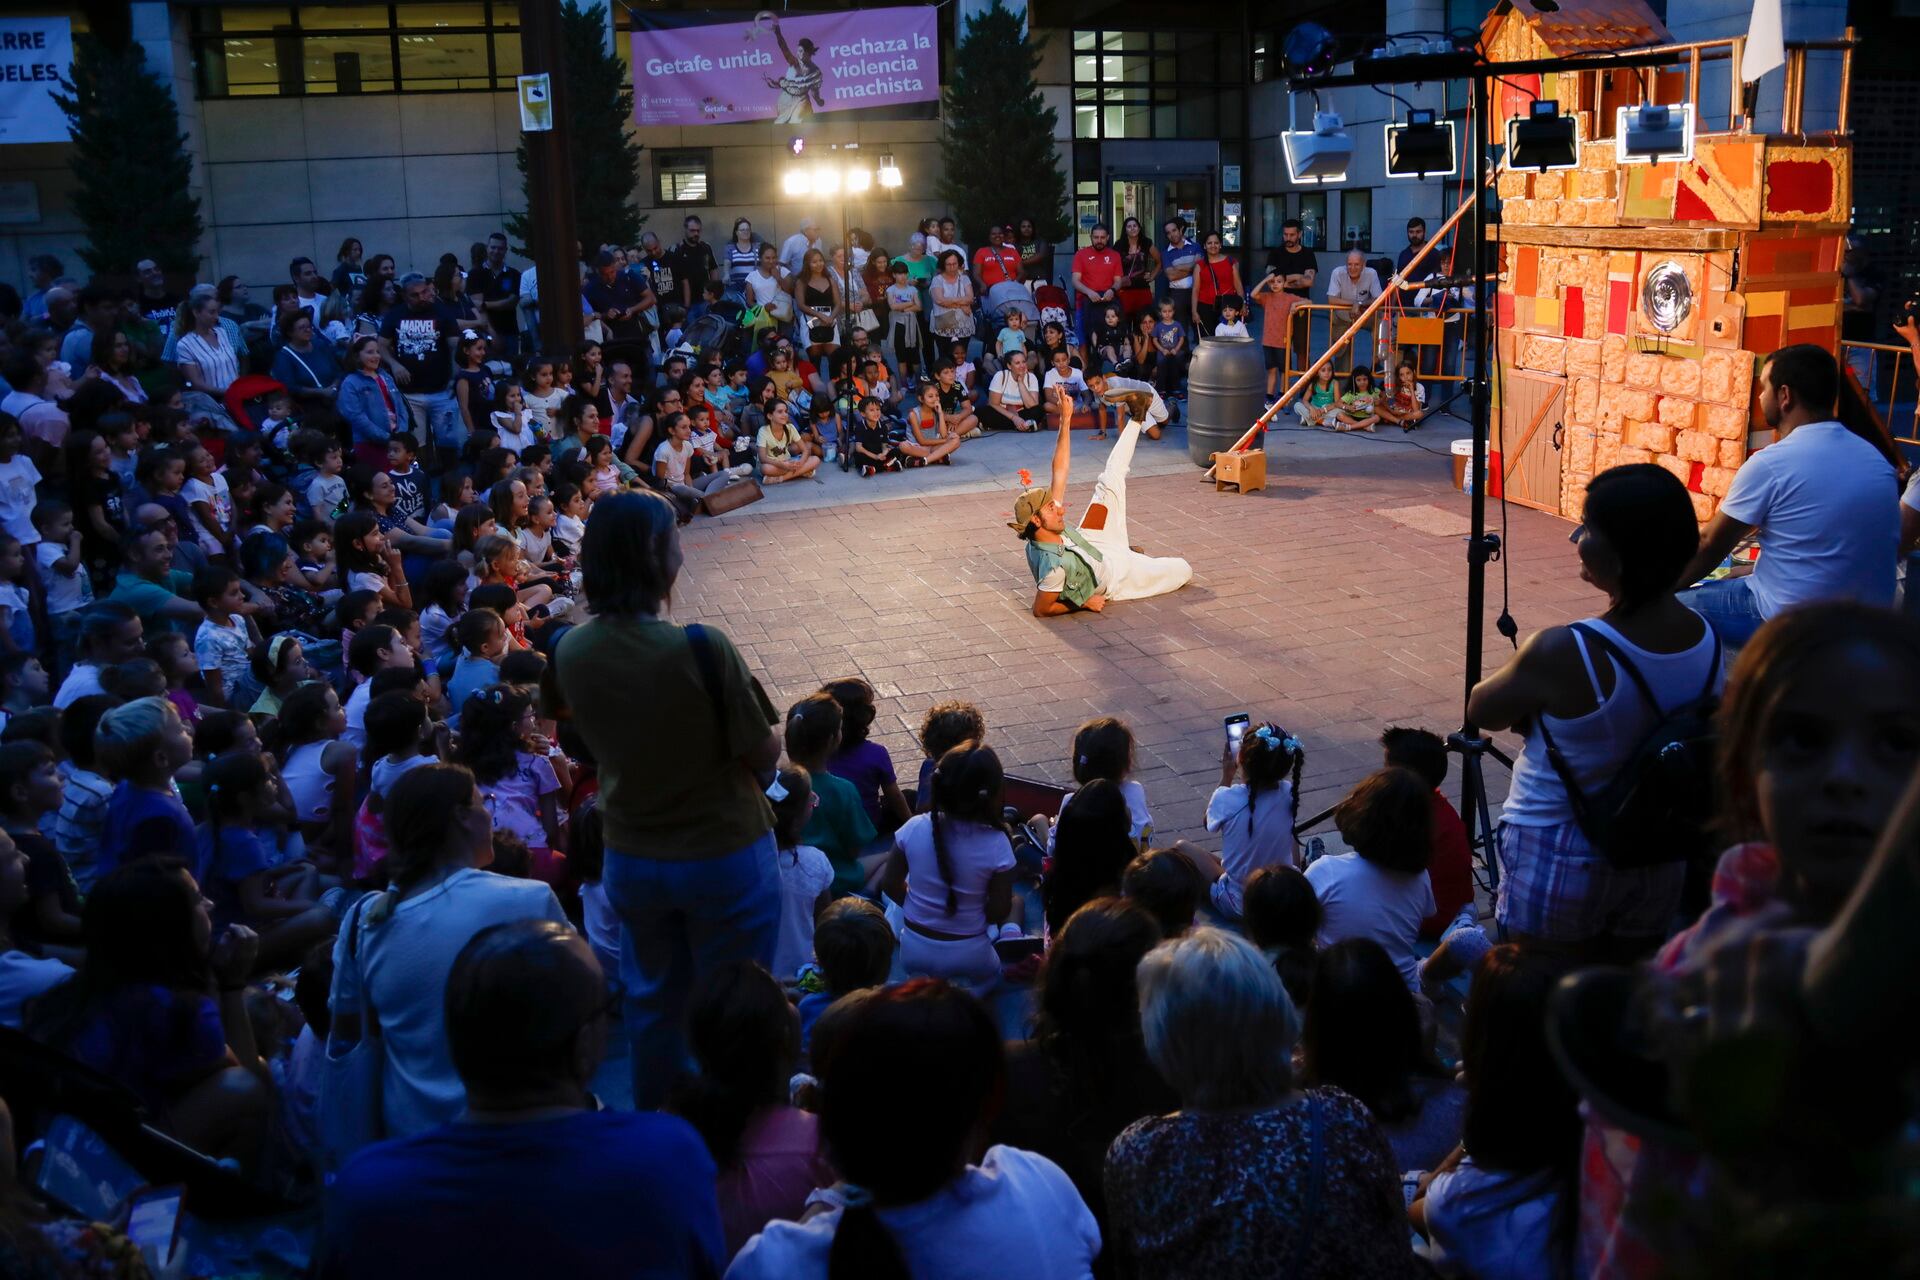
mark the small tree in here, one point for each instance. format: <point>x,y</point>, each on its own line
<point>130,161</point>
<point>606,161</point>
<point>997,151</point>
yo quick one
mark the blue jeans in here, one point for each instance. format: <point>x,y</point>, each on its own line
<point>436,417</point>
<point>679,920</point>
<point>1729,608</point>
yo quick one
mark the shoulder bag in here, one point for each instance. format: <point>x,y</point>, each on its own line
<point>352,1106</point>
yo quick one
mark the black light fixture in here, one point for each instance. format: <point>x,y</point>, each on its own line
<point>1309,50</point>
<point>1543,139</point>
<point>1422,147</point>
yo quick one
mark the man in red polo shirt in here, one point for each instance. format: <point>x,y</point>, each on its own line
<point>1096,275</point>
<point>995,262</point>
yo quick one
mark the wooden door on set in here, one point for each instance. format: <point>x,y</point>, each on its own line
<point>1527,434</point>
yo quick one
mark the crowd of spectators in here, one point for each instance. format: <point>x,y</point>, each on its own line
<point>353,705</point>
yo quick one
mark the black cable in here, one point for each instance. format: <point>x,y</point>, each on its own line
<point>1396,97</point>
<point>1504,624</point>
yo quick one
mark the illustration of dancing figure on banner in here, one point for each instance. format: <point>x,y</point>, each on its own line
<point>1092,564</point>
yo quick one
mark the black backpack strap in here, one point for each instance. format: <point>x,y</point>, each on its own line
<point>707,658</point>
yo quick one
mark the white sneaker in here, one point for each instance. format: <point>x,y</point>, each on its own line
<point>833,454</point>
<point>740,472</point>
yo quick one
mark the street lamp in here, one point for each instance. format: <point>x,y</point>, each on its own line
<point>827,179</point>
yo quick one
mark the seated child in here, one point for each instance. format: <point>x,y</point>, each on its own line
<point>854,945</point>
<point>873,450</point>
<point>1168,885</point>
<point>948,724</point>
<point>1407,403</point>
<point>1358,408</point>
<point>838,826</point>
<point>1321,401</point>
<point>806,876</point>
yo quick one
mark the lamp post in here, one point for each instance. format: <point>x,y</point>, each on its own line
<point>827,177</point>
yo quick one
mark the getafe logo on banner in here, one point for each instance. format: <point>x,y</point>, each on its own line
<point>34,54</point>
<point>785,69</point>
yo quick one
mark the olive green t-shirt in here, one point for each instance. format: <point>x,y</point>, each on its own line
<point>671,783</point>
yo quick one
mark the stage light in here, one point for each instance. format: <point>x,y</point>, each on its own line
<point>1422,147</point>
<point>1544,139</point>
<point>889,173</point>
<point>826,180</point>
<point>1321,154</point>
<point>858,180</point>
<point>1654,131</point>
<point>1309,50</point>
<point>797,182</point>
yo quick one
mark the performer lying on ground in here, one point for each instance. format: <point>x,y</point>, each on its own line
<point>1085,566</point>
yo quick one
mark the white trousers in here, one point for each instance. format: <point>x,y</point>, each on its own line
<point>1124,573</point>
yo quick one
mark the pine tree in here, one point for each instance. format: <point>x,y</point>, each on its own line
<point>998,151</point>
<point>606,161</point>
<point>130,162</point>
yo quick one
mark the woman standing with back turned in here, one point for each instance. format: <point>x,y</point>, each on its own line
<point>690,864</point>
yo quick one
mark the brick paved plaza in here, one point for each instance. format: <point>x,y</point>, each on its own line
<point>1333,603</point>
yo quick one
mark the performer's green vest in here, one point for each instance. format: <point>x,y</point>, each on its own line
<point>1076,555</point>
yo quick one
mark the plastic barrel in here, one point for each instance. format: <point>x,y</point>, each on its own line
<point>1226,394</point>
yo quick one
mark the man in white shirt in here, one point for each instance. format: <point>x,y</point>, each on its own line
<point>793,251</point>
<point>307,288</point>
<point>1825,502</point>
<point>1354,288</point>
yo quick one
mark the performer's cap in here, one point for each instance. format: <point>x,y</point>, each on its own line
<point>1027,506</point>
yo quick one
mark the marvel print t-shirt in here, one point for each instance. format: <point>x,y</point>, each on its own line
<point>419,344</point>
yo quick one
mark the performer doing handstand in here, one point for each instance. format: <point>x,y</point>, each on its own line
<point>1085,566</point>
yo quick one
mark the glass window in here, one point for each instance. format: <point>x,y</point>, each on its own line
<point>1356,216</point>
<point>1084,39</point>
<point>344,17</point>
<point>348,64</point>
<point>1313,219</point>
<point>287,51</point>
<point>682,176</point>
<point>413,16</point>
<point>1273,211</point>
<point>1086,120</point>
<point>1086,68</point>
<point>444,60</point>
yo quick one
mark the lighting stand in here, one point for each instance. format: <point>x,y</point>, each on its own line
<point>1470,744</point>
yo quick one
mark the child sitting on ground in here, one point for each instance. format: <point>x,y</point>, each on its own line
<point>1167,884</point>
<point>854,946</point>
<point>1358,408</point>
<point>520,774</point>
<point>1321,402</point>
<point>861,760</point>
<point>1406,401</point>
<point>1282,916</point>
<point>839,826</point>
<point>1254,817</point>
<point>240,865</point>
<point>226,637</point>
<point>30,793</point>
<point>140,744</point>
<point>806,875</point>
<point>947,725</point>
<point>1103,748</point>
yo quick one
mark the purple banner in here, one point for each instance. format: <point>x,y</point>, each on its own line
<point>785,69</point>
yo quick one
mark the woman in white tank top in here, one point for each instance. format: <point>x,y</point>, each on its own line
<point>1638,533</point>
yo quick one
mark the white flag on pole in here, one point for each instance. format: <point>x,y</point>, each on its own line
<point>1766,48</point>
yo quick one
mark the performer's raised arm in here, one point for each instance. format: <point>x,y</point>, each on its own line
<point>1063,447</point>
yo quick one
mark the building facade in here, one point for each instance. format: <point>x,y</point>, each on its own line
<point>397,123</point>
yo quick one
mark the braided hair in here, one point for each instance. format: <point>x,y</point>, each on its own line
<point>966,788</point>
<point>1268,756</point>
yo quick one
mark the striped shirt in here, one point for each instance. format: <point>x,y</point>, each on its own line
<point>219,365</point>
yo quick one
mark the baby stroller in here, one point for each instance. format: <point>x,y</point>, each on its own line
<point>713,334</point>
<point>1054,306</point>
<point>1009,296</point>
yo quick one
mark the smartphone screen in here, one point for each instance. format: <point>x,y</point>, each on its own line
<point>1237,727</point>
<point>153,1220</point>
<point>1014,950</point>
